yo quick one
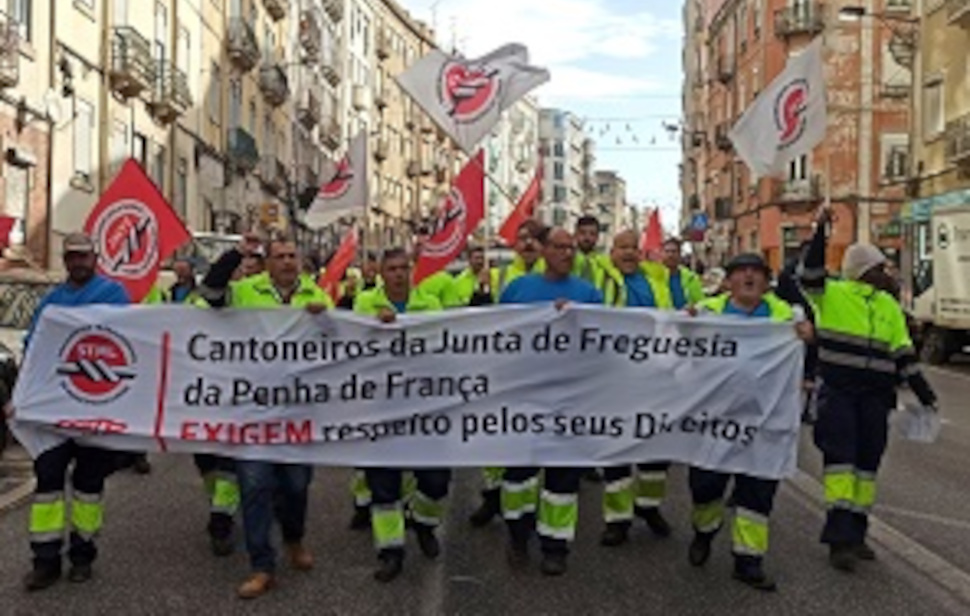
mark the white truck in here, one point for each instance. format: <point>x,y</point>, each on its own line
<point>936,274</point>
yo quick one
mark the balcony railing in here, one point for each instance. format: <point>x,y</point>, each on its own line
<point>380,97</point>
<point>335,9</point>
<point>958,12</point>
<point>272,172</point>
<point>722,208</point>
<point>273,82</point>
<point>277,9</point>
<point>725,67</point>
<point>132,67</point>
<point>171,96</point>
<point>957,139</point>
<point>311,35</point>
<point>330,67</point>
<point>9,52</point>
<point>241,45</point>
<point>799,191</point>
<point>330,134</point>
<point>721,139</point>
<point>801,18</point>
<point>308,108</point>
<point>242,151</point>
<point>383,46</point>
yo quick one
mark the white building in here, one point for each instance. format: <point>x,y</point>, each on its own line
<point>513,155</point>
<point>568,164</point>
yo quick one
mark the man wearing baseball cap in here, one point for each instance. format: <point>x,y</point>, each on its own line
<point>48,513</point>
<point>748,278</point>
<point>863,349</point>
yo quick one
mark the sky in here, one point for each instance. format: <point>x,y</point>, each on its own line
<point>616,63</point>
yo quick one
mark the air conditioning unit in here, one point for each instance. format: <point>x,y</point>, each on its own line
<point>360,98</point>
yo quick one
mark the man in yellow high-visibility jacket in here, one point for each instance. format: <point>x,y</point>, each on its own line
<point>589,264</point>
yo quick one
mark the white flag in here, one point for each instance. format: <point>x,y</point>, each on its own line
<point>788,119</point>
<point>466,97</point>
<point>344,189</point>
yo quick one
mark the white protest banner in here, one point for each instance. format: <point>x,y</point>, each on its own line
<point>511,386</point>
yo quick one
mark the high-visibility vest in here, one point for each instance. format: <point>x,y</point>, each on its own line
<point>371,302</point>
<point>614,286</point>
<point>466,284</point>
<point>778,309</point>
<point>259,292</point>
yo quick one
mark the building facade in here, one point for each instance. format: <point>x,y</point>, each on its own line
<point>611,207</point>
<point>744,45</point>
<point>512,159</point>
<point>569,161</point>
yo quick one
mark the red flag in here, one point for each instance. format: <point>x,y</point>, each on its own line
<point>6,226</point>
<point>652,240</point>
<point>135,229</point>
<point>341,260</point>
<point>458,214</point>
<point>523,209</point>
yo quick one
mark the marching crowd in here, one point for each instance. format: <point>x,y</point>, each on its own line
<point>856,329</point>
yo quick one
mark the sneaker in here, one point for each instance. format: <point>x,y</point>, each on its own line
<point>41,578</point>
<point>655,520</point>
<point>79,574</point>
<point>700,549</point>
<point>553,564</point>
<point>257,585</point>
<point>864,552</point>
<point>361,519</point>
<point>614,535</point>
<point>428,541</point>
<point>842,558</point>
<point>392,564</point>
<point>490,508</point>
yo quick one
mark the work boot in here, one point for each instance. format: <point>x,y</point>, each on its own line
<point>748,570</point>
<point>257,585</point>
<point>700,549</point>
<point>864,552</point>
<point>361,519</point>
<point>427,541</point>
<point>553,563</point>
<point>655,520</point>
<point>41,578</point>
<point>79,573</point>
<point>842,557</point>
<point>299,557</point>
<point>615,534</point>
<point>491,506</point>
<point>142,466</point>
<point>392,563</point>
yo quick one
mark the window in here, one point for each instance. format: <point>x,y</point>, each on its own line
<point>365,34</point>
<point>603,188</point>
<point>558,149</point>
<point>559,217</point>
<point>119,145</point>
<point>753,241</point>
<point>235,8</point>
<point>161,31</point>
<point>743,27</point>
<point>559,193</point>
<point>184,51</point>
<point>158,166</point>
<point>182,187</point>
<point>139,149</point>
<point>235,103</point>
<point>215,94</point>
<point>933,108</point>
<point>83,128</point>
<point>756,12</point>
<point>558,171</point>
<point>558,120</point>
<point>798,169</point>
<point>252,117</point>
<point>895,156</point>
<point>21,11</point>
<point>120,10</point>
<point>16,201</point>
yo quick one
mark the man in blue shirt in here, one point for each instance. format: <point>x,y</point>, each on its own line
<point>685,286</point>
<point>91,464</point>
<point>557,508</point>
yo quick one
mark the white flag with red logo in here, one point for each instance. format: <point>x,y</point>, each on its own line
<point>788,119</point>
<point>344,189</point>
<point>134,229</point>
<point>466,97</point>
<point>459,212</point>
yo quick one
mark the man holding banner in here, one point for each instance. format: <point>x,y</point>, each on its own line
<point>555,512</point>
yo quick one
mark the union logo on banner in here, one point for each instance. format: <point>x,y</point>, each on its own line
<point>449,227</point>
<point>341,181</point>
<point>468,90</point>
<point>96,365</point>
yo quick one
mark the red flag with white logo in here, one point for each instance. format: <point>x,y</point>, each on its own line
<point>651,242</point>
<point>466,97</point>
<point>134,229</point>
<point>459,212</point>
<point>341,260</point>
<point>344,189</point>
<point>523,209</point>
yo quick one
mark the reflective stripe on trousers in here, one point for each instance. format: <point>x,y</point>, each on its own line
<point>558,514</point>
<point>519,498</point>
<point>849,488</point>
<point>87,514</point>
<point>48,517</point>
<point>387,523</point>
<point>749,532</point>
<point>225,493</point>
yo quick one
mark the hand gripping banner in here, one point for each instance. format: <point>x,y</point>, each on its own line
<point>510,386</point>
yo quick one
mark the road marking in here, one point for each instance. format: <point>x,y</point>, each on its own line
<point>950,578</point>
<point>926,517</point>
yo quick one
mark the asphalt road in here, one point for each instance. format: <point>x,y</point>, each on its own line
<point>155,560</point>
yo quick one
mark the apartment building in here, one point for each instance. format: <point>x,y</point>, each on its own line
<point>610,207</point>
<point>512,159</point>
<point>736,47</point>
<point>569,159</point>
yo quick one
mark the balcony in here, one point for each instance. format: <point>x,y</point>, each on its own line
<point>957,138</point>
<point>308,108</point>
<point>242,152</point>
<point>725,68</point>
<point>895,90</point>
<point>311,36</point>
<point>277,9</point>
<point>958,13</point>
<point>381,150</point>
<point>380,97</point>
<point>721,139</point>
<point>330,67</point>
<point>273,82</point>
<point>9,52</point>
<point>171,96</point>
<point>132,69</point>
<point>330,134</point>
<point>273,173</point>
<point>241,45</point>
<point>802,18</point>
<point>807,191</point>
<point>722,208</point>
<point>335,9</point>
<point>383,46</point>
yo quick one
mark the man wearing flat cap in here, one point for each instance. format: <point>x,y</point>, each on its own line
<point>48,513</point>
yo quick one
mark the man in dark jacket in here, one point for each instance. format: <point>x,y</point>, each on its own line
<point>788,290</point>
